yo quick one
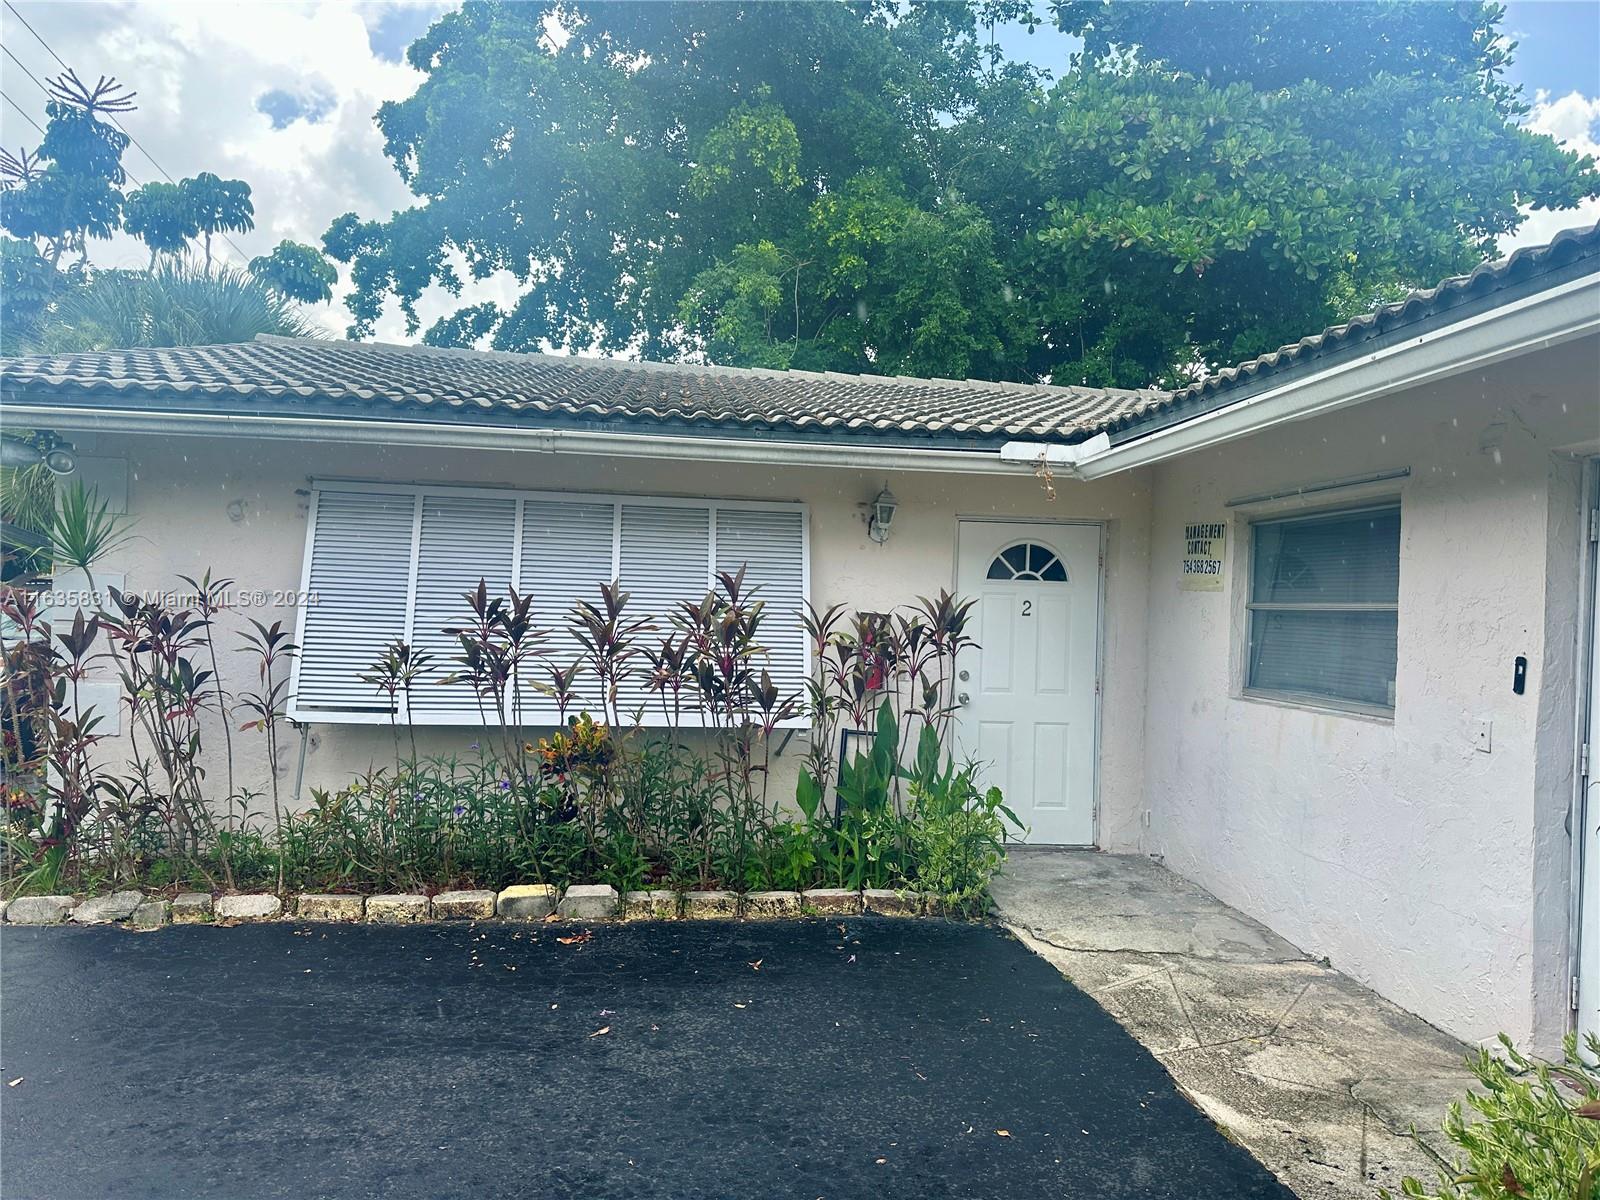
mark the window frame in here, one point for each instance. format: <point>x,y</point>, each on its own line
<point>1315,701</point>
<point>1027,574</point>
<point>710,504</point>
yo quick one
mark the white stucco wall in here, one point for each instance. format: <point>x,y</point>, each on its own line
<point>1427,869</point>
<point>1431,871</point>
<point>239,507</point>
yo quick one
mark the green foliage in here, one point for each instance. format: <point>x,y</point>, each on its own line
<point>70,190</point>
<point>1273,46</point>
<point>83,530</point>
<point>28,502</point>
<point>218,206</point>
<point>738,309</point>
<point>1248,173</point>
<point>53,200</point>
<point>604,799</point>
<point>875,187</point>
<point>749,158</point>
<point>865,781</point>
<point>28,285</point>
<point>162,216</point>
<point>958,831</point>
<point>948,839</point>
<point>446,822</point>
<point>297,271</point>
<point>1531,1130</point>
<point>165,216</point>
<point>173,305</point>
<point>611,173</point>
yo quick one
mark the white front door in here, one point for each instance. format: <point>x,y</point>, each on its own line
<point>1027,693</point>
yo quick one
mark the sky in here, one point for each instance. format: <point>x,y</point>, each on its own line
<point>283,95</point>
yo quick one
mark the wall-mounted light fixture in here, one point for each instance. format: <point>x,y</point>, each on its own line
<point>55,453</point>
<point>881,516</point>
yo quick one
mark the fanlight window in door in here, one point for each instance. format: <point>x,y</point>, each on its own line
<point>1028,560</point>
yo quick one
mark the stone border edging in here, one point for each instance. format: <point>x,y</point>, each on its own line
<point>520,902</point>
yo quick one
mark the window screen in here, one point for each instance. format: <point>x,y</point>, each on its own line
<point>1324,595</point>
<point>387,562</point>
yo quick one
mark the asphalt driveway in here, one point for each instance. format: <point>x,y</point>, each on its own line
<point>872,1058</point>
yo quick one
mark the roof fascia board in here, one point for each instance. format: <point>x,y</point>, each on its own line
<point>73,418</point>
<point>1536,322</point>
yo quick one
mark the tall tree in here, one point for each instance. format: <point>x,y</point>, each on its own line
<point>69,190</point>
<point>875,187</point>
<point>162,216</point>
<point>1220,179</point>
<point>296,271</point>
<point>657,142</point>
<point>55,199</point>
<point>218,206</point>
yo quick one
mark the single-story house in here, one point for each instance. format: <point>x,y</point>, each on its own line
<point>1317,630</point>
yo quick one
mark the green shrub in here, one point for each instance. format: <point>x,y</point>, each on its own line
<point>681,802</point>
<point>1531,1133</point>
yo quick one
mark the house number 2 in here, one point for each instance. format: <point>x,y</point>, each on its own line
<point>1027,608</point>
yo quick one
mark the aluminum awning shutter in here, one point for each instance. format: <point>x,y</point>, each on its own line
<point>388,562</point>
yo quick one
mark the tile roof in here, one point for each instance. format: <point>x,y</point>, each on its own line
<point>358,378</point>
<point>362,379</point>
<point>1571,252</point>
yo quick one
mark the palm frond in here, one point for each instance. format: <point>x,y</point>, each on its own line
<point>174,305</point>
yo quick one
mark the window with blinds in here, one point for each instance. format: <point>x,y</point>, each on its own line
<point>1324,596</point>
<point>390,562</point>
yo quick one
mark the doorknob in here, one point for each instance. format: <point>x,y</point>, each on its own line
<point>963,698</point>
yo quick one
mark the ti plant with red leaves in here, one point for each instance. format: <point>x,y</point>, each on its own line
<point>500,648</point>
<point>906,658</point>
<point>272,651</point>
<point>685,802</point>
<point>723,663</point>
<point>154,647</point>
<point>394,676</point>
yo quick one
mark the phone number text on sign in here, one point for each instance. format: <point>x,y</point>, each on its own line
<point>1203,547</point>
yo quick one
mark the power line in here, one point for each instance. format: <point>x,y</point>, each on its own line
<point>24,69</point>
<point>36,36</point>
<point>23,111</point>
<point>21,66</point>
<point>243,257</point>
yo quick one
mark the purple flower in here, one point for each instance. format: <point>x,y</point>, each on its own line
<point>505,785</point>
<point>461,810</point>
<point>474,746</point>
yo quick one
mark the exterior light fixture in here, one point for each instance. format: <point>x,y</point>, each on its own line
<point>882,516</point>
<point>46,448</point>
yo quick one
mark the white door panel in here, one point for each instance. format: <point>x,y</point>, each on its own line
<point>1028,691</point>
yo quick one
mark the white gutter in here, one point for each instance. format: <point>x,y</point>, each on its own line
<point>1536,322</point>
<point>537,441</point>
<point>1035,455</point>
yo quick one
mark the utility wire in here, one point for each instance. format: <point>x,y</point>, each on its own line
<point>23,67</point>
<point>23,111</point>
<point>243,257</point>
<point>36,36</point>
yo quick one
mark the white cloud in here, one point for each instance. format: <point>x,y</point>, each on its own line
<point>1574,121</point>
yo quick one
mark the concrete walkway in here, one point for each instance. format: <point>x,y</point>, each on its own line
<point>1317,1076</point>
